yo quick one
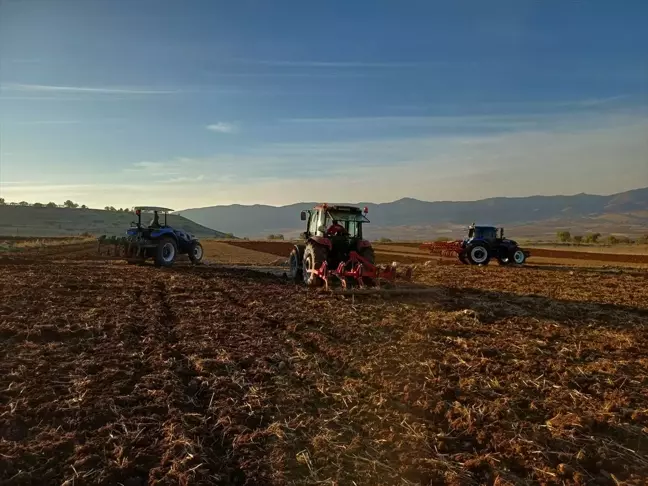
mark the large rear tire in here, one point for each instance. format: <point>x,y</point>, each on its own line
<point>314,256</point>
<point>166,252</point>
<point>478,254</point>
<point>296,274</point>
<point>196,252</point>
<point>368,254</point>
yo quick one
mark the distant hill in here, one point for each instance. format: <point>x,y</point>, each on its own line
<point>535,217</point>
<point>30,221</point>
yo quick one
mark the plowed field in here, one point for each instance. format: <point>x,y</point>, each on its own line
<point>410,253</point>
<point>116,374</point>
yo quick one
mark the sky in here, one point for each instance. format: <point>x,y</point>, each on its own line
<point>207,102</point>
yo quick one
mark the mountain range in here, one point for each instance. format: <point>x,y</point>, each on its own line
<point>538,217</point>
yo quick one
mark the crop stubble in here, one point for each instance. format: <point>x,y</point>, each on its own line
<point>112,373</point>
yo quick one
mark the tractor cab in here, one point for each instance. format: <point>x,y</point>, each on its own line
<point>486,233</point>
<point>339,225</point>
<point>327,221</point>
<point>155,222</point>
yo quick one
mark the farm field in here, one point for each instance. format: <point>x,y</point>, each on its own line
<point>409,253</point>
<point>118,374</point>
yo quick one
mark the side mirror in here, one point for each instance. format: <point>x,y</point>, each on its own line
<point>303,216</point>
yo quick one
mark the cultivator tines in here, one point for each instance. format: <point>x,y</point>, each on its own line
<point>443,248</point>
<point>113,246</point>
<point>360,272</point>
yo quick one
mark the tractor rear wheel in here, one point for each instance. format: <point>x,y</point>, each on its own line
<point>369,255</point>
<point>478,254</point>
<point>166,251</point>
<point>314,256</point>
<point>196,252</point>
<point>296,274</point>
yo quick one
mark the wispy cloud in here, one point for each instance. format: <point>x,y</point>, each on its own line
<point>82,89</point>
<point>333,64</point>
<point>222,127</point>
<point>47,122</point>
<point>176,180</point>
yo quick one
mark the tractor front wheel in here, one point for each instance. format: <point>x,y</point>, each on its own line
<point>314,256</point>
<point>518,257</point>
<point>165,253</point>
<point>478,255</point>
<point>196,252</point>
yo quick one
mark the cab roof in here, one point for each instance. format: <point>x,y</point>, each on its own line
<point>152,208</point>
<point>338,207</point>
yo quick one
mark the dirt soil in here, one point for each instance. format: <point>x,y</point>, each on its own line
<point>410,253</point>
<point>117,374</point>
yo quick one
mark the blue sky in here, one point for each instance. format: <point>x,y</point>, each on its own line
<point>186,104</point>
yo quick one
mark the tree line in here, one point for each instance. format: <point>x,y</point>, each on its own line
<point>69,204</point>
<point>566,237</point>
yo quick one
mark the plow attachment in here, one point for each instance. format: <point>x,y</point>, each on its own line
<point>117,247</point>
<point>361,273</point>
<point>443,248</point>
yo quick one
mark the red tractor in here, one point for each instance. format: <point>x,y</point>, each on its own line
<point>334,246</point>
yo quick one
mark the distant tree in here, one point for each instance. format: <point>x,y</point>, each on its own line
<point>229,235</point>
<point>38,205</point>
<point>643,240</point>
<point>51,205</point>
<point>23,203</point>
<point>107,208</point>
<point>275,237</point>
<point>13,204</point>
<point>384,240</point>
<point>70,204</point>
<point>594,237</point>
<point>564,236</point>
<point>612,240</point>
<point>83,206</point>
<point>2,201</point>
<point>578,239</point>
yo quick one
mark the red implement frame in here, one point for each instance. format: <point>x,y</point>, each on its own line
<point>443,248</point>
<point>357,268</point>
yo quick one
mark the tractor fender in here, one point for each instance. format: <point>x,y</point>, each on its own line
<point>321,240</point>
<point>364,244</point>
<point>164,232</point>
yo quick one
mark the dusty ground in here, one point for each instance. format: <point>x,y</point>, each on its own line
<point>203,375</point>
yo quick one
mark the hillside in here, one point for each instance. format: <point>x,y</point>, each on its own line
<point>30,221</point>
<point>531,217</point>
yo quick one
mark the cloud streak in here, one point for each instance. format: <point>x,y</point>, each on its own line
<point>222,127</point>
<point>334,64</point>
<point>82,89</point>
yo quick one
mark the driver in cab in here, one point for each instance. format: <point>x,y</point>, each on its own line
<point>155,222</point>
<point>336,229</point>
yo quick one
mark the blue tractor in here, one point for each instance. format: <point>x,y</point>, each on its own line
<point>159,241</point>
<point>483,243</point>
